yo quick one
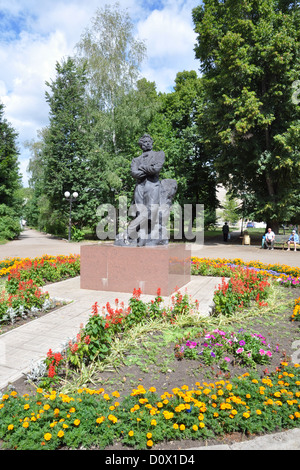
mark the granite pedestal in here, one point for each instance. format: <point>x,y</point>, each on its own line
<point>106,267</point>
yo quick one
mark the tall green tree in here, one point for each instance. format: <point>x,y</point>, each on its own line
<point>113,57</point>
<point>249,53</point>
<point>70,162</point>
<point>192,166</point>
<point>10,179</point>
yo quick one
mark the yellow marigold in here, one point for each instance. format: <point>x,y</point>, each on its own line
<point>152,389</point>
<point>258,412</point>
<point>246,415</point>
<point>195,427</point>
<point>76,422</point>
<point>46,407</point>
<point>168,414</point>
<point>116,394</point>
<point>182,427</point>
<point>26,407</point>
<point>10,427</point>
<point>201,425</point>
<point>112,418</point>
<point>175,426</point>
<point>131,433</point>
<point>72,410</point>
<point>149,435</point>
<point>47,436</point>
<point>153,422</point>
<point>25,425</point>
<point>60,433</point>
<point>149,443</point>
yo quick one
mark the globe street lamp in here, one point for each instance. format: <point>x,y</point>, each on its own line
<point>70,197</point>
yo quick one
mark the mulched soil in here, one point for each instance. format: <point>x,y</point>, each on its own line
<point>153,363</point>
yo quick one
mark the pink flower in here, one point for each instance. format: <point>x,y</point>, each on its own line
<point>239,350</point>
<point>262,352</point>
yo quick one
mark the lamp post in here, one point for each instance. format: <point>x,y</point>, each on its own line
<point>70,197</point>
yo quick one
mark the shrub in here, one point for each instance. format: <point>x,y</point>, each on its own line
<point>10,226</point>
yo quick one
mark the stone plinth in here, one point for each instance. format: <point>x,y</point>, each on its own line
<point>122,269</point>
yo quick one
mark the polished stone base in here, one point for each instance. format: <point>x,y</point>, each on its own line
<point>106,267</point>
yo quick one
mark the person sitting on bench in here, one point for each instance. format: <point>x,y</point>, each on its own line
<point>294,238</point>
<point>269,239</point>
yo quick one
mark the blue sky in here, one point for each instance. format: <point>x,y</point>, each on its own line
<point>35,34</point>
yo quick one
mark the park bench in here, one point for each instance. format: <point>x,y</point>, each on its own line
<point>281,242</point>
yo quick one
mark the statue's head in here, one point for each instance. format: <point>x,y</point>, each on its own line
<point>146,142</point>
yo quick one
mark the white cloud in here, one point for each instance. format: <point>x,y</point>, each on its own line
<point>167,35</point>
<point>36,35</point>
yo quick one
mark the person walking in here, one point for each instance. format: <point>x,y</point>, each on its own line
<point>225,230</point>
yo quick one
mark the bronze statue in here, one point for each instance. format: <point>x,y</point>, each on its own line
<point>152,199</point>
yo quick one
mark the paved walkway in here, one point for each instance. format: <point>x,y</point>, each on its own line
<point>29,343</point>
<point>32,244</point>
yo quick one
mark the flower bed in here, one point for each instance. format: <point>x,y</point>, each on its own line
<point>94,340</point>
<point>286,275</point>
<point>94,418</point>
<point>89,418</point>
<point>21,295</point>
<point>243,287</point>
<point>224,347</point>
